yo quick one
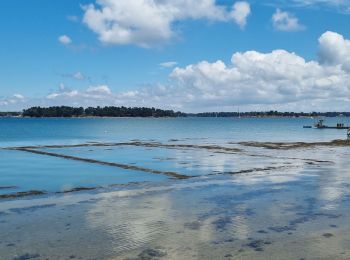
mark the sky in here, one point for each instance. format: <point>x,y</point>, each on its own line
<point>186,55</point>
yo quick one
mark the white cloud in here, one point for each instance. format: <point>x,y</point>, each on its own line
<point>64,94</point>
<point>253,80</point>
<point>328,2</point>
<point>102,89</point>
<point>275,78</point>
<point>341,6</point>
<point>240,13</point>
<point>13,101</point>
<point>334,49</point>
<point>149,22</point>
<point>62,87</point>
<point>18,96</point>
<point>168,64</point>
<point>91,93</point>
<point>285,21</point>
<point>65,40</point>
<point>78,75</point>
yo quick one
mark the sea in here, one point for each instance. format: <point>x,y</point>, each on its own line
<point>174,188</point>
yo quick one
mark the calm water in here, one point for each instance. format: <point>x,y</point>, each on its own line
<point>182,188</point>
<point>50,131</point>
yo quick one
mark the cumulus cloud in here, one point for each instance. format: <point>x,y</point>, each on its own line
<point>240,13</point>
<point>253,80</point>
<point>262,78</point>
<point>65,40</point>
<point>334,49</point>
<point>285,21</point>
<point>149,22</point>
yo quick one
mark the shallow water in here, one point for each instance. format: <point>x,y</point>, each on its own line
<point>238,202</point>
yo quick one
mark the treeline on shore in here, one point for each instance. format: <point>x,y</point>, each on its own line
<point>111,111</point>
<point>108,111</point>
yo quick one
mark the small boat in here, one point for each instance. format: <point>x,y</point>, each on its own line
<point>320,125</point>
<point>307,126</point>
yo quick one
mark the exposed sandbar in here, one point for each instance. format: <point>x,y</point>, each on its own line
<point>295,145</point>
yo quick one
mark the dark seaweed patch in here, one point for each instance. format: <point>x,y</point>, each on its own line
<point>8,187</point>
<point>281,229</point>
<point>32,208</point>
<point>195,225</point>
<point>150,253</point>
<point>26,257</point>
<point>258,244</point>
<point>300,220</point>
<point>254,170</point>
<point>134,143</point>
<point>79,189</point>
<point>22,194</point>
<point>328,215</point>
<point>221,223</point>
<point>295,145</point>
<point>328,235</point>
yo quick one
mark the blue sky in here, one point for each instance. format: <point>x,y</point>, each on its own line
<point>142,52</point>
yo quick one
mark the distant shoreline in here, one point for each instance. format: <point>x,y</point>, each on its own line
<point>165,117</point>
<point>145,112</point>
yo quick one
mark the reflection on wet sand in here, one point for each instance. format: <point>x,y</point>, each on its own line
<point>182,163</point>
<point>234,206</point>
